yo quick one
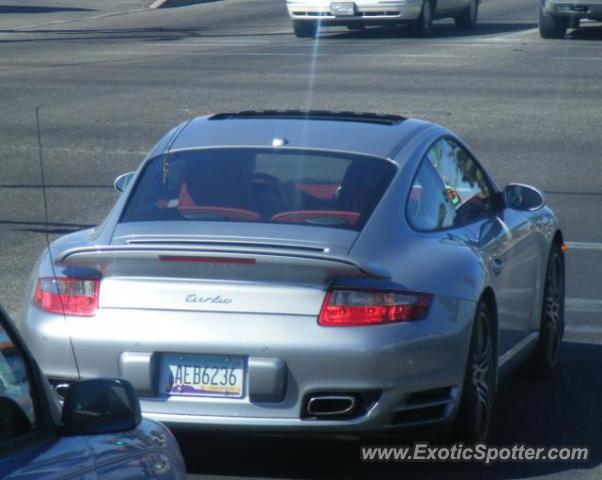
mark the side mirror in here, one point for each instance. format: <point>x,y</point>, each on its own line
<point>523,197</point>
<point>102,405</point>
<point>122,181</point>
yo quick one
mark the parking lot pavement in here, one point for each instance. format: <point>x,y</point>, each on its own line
<point>108,87</point>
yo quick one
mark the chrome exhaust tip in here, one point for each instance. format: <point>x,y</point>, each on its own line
<point>331,405</point>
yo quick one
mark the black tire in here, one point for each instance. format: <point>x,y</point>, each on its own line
<point>476,406</point>
<point>423,26</point>
<point>304,29</point>
<point>551,26</point>
<point>468,19</point>
<point>542,362</point>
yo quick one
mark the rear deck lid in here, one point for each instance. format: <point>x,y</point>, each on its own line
<point>251,235</point>
<point>238,230</point>
<point>210,267</point>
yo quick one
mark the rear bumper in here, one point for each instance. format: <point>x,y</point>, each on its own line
<point>366,11</point>
<point>413,371</point>
<point>387,415</point>
<point>574,9</point>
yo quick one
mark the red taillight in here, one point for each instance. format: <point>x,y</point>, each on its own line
<point>68,296</point>
<point>364,307</point>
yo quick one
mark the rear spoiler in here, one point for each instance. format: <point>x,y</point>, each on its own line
<point>342,265</point>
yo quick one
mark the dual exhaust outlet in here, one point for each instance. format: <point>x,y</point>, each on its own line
<point>326,406</point>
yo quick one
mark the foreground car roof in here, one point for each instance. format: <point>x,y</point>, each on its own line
<point>363,133</point>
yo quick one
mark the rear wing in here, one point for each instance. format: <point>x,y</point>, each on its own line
<point>127,257</point>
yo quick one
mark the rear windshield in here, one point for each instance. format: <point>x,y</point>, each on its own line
<point>266,186</point>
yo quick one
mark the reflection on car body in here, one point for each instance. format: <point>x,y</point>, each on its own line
<point>100,433</point>
<point>13,376</point>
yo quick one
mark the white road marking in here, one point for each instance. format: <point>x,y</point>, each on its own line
<point>158,3</point>
<point>510,36</point>
<point>406,56</point>
<point>582,329</point>
<point>583,305</point>
<point>333,54</point>
<point>325,42</point>
<point>595,246</point>
<point>597,59</point>
<point>75,150</point>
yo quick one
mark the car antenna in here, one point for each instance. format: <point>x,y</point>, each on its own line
<point>47,225</point>
<point>43,178</point>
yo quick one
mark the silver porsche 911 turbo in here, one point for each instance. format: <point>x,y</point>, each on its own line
<point>307,271</point>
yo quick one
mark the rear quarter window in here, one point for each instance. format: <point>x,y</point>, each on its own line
<point>428,206</point>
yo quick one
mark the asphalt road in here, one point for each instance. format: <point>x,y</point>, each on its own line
<point>111,76</point>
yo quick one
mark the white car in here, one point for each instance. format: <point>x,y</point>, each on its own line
<point>310,15</point>
<point>557,16</point>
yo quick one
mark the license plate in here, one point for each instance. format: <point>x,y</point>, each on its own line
<point>203,375</point>
<point>342,9</point>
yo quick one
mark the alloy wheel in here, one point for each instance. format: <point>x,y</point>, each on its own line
<point>553,308</point>
<point>482,370</point>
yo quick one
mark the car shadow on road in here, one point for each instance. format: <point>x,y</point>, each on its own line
<point>586,33</point>
<point>155,35</point>
<point>33,9</point>
<point>563,411</point>
<point>162,34</point>
<point>440,30</point>
<point>151,34</point>
<point>52,228</point>
<point>186,3</point>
